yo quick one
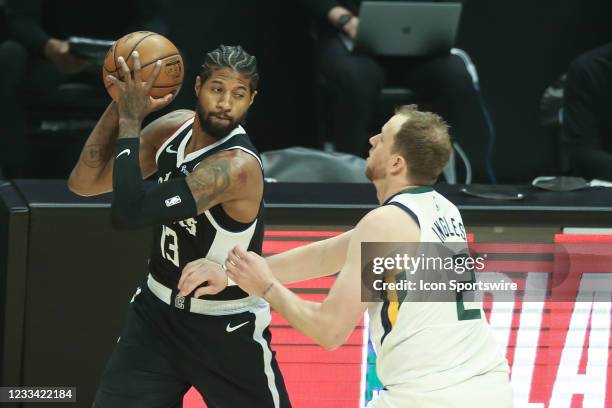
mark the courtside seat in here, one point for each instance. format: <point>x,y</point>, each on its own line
<point>390,98</point>
<point>326,96</point>
<point>304,165</point>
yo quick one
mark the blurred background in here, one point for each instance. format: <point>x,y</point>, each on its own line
<point>519,48</point>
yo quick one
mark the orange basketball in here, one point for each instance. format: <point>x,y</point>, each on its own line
<point>151,47</point>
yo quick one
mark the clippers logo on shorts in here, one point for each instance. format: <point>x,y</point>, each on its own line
<point>173,201</point>
<point>179,302</point>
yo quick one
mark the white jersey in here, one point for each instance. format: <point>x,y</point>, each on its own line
<point>426,347</point>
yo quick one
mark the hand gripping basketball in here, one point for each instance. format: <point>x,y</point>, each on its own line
<point>133,101</point>
<point>151,48</point>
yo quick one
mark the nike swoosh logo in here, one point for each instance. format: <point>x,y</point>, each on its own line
<point>123,151</point>
<point>230,329</point>
<point>169,149</point>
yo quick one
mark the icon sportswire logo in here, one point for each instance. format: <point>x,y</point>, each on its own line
<point>126,151</point>
<point>230,329</point>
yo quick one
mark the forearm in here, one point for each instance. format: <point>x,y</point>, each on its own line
<point>308,317</point>
<point>297,264</point>
<point>318,259</point>
<point>135,204</point>
<point>92,173</point>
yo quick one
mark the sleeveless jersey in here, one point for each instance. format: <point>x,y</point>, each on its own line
<point>210,235</point>
<point>428,346</point>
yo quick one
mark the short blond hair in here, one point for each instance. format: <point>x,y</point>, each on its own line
<point>423,141</point>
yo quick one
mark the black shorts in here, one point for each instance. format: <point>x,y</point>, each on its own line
<point>163,351</point>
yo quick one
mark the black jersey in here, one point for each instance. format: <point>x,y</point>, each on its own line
<point>209,235</point>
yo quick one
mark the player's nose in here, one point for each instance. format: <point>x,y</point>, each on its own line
<point>225,102</point>
<point>373,140</point>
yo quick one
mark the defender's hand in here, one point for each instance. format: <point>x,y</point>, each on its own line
<point>249,270</point>
<point>201,271</point>
<point>134,102</point>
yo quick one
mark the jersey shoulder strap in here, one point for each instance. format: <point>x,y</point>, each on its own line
<point>178,135</point>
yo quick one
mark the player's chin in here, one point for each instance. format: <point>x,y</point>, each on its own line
<point>369,172</point>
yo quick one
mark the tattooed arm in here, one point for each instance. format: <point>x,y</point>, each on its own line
<point>232,178</point>
<point>92,175</point>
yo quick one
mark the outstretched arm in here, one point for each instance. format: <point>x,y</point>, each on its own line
<point>318,259</point>
<point>328,323</point>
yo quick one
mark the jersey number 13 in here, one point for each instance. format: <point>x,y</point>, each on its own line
<point>169,252</point>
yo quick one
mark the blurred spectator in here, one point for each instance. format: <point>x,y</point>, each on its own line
<point>587,122</point>
<point>37,59</point>
<point>443,81</point>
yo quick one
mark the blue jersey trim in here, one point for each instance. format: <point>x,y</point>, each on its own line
<point>408,210</point>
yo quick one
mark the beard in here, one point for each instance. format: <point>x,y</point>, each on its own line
<point>372,173</point>
<point>216,130</point>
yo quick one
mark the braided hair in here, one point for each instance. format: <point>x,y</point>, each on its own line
<point>234,57</point>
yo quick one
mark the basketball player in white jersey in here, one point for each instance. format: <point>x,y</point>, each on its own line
<point>428,354</point>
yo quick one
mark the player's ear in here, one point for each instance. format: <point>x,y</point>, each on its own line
<point>252,98</point>
<point>398,164</point>
<point>198,85</point>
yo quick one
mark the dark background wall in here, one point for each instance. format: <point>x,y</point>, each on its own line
<point>519,47</point>
<point>277,34</point>
<point>66,278</point>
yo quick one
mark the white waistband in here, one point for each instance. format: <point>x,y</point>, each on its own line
<point>201,306</point>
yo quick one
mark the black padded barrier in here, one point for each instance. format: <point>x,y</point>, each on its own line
<point>14,220</point>
<point>79,277</point>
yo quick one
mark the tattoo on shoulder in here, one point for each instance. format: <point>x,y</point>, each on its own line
<point>210,180</point>
<point>96,155</point>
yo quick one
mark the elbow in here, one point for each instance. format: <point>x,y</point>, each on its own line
<point>332,338</point>
<point>330,332</point>
<point>329,346</point>
<point>76,189</point>
<point>331,342</point>
<point>83,192</point>
<point>82,189</point>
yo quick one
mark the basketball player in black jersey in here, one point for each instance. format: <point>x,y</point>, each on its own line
<point>207,200</point>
